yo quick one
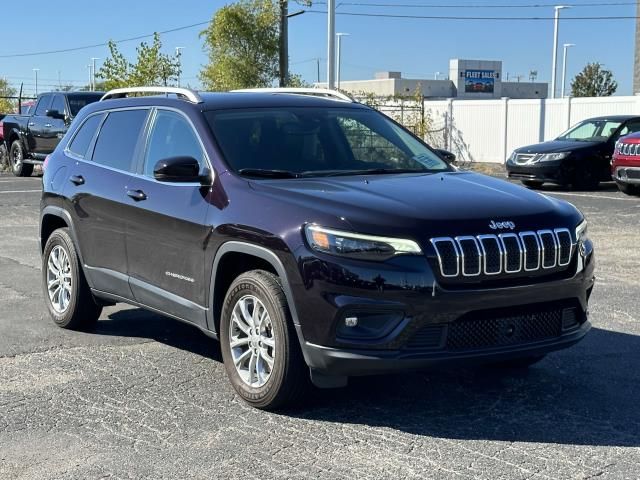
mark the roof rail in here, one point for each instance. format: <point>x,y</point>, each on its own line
<point>318,92</point>
<point>189,95</point>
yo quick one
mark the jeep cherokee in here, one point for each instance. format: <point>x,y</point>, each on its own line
<point>313,236</point>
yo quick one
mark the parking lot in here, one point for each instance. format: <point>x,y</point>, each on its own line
<point>147,397</point>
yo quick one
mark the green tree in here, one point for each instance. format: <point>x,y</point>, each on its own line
<point>152,67</point>
<point>6,105</point>
<point>594,81</point>
<point>242,42</point>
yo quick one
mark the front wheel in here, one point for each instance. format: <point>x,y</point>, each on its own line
<point>586,179</point>
<point>66,292</point>
<point>16,161</point>
<point>260,347</point>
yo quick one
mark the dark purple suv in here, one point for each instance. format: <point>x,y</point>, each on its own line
<point>313,236</point>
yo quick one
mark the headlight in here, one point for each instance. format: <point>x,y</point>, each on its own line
<point>550,157</point>
<point>581,231</point>
<point>512,157</point>
<point>359,246</point>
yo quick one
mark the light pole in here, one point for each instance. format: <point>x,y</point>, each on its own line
<point>93,73</point>
<point>566,47</point>
<point>283,48</point>
<point>555,48</point>
<point>35,71</point>
<point>331,45</point>
<point>179,57</point>
<point>339,36</point>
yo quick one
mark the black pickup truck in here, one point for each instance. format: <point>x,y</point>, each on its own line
<point>30,138</point>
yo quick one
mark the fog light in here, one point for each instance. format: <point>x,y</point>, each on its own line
<point>351,321</point>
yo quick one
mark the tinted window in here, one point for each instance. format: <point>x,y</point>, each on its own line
<point>172,136</point>
<point>319,141</point>
<point>58,104</point>
<point>43,105</point>
<point>118,137</point>
<point>77,101</point>
<point>80,143</point>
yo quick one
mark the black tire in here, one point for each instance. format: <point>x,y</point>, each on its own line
<point>628,189</point>
<point>16,161</point>
<point>532,183</point>
<point>289,378</point>
<point>4,155</point>
<point>585,178</point>
<point>521,363</point>
<point>82,312</point>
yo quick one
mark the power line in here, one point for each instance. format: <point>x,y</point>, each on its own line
<point>454,17</point>
<point>103,44</point>
<point>475,5</point>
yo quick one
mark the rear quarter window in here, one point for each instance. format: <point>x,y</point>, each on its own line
<point>82,139</point>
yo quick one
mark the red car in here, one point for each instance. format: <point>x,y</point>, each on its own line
<point>625,167</point>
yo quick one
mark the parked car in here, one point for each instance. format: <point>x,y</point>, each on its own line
<point>30,138</point>
<point>314,237</point>
<point>625,167</point>
<point>580,157</point>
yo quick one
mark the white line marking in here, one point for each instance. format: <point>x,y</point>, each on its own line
<point>20,191</point>
<point>593,196</point>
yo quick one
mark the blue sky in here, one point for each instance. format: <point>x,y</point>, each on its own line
<point>417,47</point>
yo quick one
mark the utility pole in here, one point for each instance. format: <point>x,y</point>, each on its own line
<point>566,47</point>
<point>36,70</point>
<point>179,57</point>
<point>284,43</point>
<point>331,47</point>
<point>93,73</point>
<point>556,22</point>
<point>339,67</point>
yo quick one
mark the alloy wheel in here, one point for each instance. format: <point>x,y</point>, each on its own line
<point>59,280</point>
<point>252,341</point>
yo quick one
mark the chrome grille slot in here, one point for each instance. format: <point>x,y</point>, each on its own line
<point>565,246</point>
<point>471,256</point>
<point>506,253</point>
<point>512,252</point>
<point>549,248</point>
<point>532,250</point>
<point>492,253</point>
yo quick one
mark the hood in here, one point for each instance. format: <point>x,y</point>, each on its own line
<point>558,146</point>
<point>452,203</point>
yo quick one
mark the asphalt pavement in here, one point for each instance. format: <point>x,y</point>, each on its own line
<point>147,397</point>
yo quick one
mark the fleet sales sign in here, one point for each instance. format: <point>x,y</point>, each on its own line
<point>479,81</point>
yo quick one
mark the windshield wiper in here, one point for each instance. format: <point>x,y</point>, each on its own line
<point>367,171</point>
<point>266,173</point>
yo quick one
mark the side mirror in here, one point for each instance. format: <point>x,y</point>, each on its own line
<point>446,155</point>
<point>55,114</point>
<point>181,169</point>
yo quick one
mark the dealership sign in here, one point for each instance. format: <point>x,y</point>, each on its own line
<point>479,81</point>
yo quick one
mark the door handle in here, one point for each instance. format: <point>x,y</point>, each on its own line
<point>77,180</point>
<point>137,195</point>
<point>47,125</point>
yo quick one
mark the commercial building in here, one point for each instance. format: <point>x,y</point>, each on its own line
<point>468,79</point>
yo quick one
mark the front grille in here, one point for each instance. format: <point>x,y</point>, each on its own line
<point>472,334</point>
<point>524,158</point>
<point>505,253</point>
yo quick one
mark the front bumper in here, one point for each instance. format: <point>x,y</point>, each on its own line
<point>551,172</point>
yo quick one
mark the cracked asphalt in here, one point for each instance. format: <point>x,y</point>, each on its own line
<point>147,397</point>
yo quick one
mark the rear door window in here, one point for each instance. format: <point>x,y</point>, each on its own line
<point>171,136</point>
<point>82,140</point>
<point>118,139</point>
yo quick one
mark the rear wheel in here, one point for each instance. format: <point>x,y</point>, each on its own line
<point>629,189</point>
<point>67,294</point>
<point>260,347</point>
<point>532,183</point>
<point>16,161</point>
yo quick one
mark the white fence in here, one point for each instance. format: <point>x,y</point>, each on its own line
<point>488,130</point>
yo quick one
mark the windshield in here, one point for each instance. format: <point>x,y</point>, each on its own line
<point>76,102</point>
<point>591,131</point>
<point>295,142</point>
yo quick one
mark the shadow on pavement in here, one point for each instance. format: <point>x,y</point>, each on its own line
<point>587,395</point>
